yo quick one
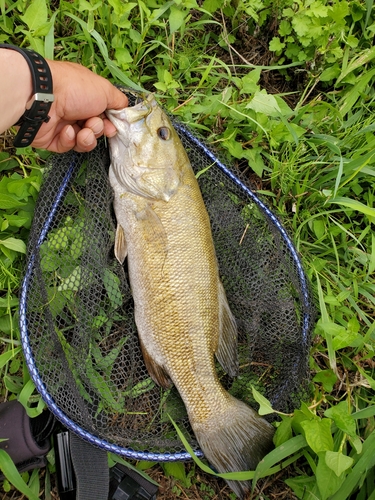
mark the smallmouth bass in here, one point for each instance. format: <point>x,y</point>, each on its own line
<point>181,310</point>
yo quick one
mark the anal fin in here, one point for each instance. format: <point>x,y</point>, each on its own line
<point>227,353</point>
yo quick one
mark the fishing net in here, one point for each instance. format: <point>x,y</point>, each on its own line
<point>77,316</point>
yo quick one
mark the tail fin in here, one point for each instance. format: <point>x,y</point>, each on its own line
<point>235,440</point>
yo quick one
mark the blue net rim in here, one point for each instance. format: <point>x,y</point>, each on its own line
<point>129,453</point>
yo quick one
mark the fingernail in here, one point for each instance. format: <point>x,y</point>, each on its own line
<point>90,139</point>
<point>70,133</point>
<point>98,129</point>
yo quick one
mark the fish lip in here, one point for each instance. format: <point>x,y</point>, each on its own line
<point>132,114</point>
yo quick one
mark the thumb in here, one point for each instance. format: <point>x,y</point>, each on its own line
<point>115,98</point>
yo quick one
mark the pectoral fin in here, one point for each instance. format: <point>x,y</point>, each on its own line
<point>226,353</point>
<point>153,234</point>
<point>121,249</point>
<point>157,372</point>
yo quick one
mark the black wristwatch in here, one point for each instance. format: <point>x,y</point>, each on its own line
<point>38,106</point>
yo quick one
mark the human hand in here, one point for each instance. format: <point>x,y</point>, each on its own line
<point>77,117</point>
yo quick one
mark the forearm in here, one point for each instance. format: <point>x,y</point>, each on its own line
<point>15,87</point>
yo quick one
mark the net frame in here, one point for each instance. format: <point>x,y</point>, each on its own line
<point>307,319</point>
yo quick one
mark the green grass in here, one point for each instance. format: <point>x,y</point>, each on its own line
<point>312,146</point>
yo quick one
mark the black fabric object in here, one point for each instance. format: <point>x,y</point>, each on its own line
<point>91,469</point>
<point>26,439</point>
<point>38,107</point>
<point>127,484</point>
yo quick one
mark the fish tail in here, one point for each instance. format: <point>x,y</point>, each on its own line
<point>235,440</point>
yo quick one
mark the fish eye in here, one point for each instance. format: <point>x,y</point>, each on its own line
<point>164,133</point>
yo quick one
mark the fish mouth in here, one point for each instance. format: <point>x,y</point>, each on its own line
<point>131,114</point>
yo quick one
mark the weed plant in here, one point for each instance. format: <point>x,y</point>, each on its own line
<point>300,122</point>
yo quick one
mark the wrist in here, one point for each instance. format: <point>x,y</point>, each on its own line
<point>38,106</point>
<point>16,87</point>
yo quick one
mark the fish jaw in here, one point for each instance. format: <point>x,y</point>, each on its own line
<point>144,161</point>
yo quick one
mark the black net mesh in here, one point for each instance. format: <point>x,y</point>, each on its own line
<point>79,308</point>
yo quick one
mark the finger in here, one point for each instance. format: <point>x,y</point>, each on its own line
<point>109,129</point>
<point>96,125</point>
<point>63,141</point>
<point>85,141</point>
<point>66,138</point>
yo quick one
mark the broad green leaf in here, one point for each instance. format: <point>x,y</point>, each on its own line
<point>17,220</point>
<point>344,339</point>
<point>304,487</point>
<point>8,355</point>
<point>364,462</point>
<point>328,482</point>
<point>318,434</point>
<point>34,482</point>
<point>176,18</point>
<point>35,15</point>
<point>212,5</point>
<point>254,156</point>
<point>9,301</point>
<point>356,444</point>
<point>177,470</point>
<point>319,227</point>
<point>288,450</point>
<point>264,103</point>
<point>10,471</point>
<point>111,283</point>
<point>84,5</point>
<point>351,97</point>
<point>327,378</point>
<point>338,462</point>
<point>72,282</point>
<point>265,407</point>
<point>283,432</point>
<point>339,414</point>
<point>304,414</point>
<point>8,201</point>
<point>14,244</point>
<point>13,383</point>
<point>250,82</point>
<point>330,73</point>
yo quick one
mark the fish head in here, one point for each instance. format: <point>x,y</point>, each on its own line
<point>147,156</point>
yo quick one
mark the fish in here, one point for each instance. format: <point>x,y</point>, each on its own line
<point>180,306</point>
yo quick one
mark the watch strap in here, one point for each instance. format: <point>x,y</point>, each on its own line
<point>39,105</point>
